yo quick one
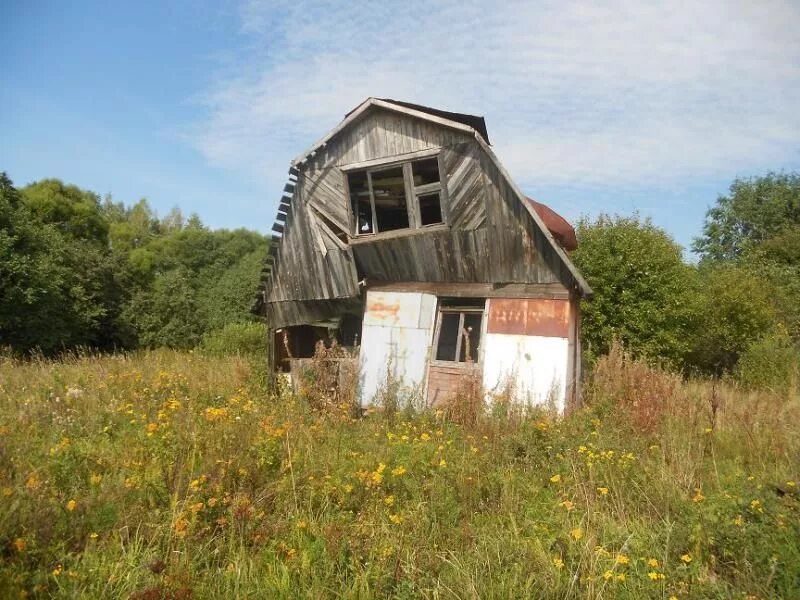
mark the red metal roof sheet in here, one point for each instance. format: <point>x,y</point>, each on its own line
<point>562,231</point>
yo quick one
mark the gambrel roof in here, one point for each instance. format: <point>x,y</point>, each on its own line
<point>465,127</point>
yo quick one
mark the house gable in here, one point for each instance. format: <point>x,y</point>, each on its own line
<point>492,235</point>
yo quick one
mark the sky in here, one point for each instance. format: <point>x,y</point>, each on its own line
<point>620,107</point>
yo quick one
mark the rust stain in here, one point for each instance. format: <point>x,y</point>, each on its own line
<point>543,317</point>
<point>380,311</point>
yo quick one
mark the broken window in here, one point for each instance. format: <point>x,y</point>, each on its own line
<point>360,199</point>
<point>458,334</point>
<point>389,194</point>
<point>401,196</point>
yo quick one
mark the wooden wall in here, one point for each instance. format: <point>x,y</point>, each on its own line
<point>490,237</point>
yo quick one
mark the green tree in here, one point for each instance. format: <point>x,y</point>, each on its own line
<point>643,291</point>
<point>166,313</point>
<point>70,209</point>
<point>734,309</point>
<point>755,210</point>
<point>54,276</point>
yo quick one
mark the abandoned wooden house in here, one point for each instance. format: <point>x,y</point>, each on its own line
<point>401,234</point>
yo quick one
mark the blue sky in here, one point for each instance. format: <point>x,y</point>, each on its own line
<point>626,107</point>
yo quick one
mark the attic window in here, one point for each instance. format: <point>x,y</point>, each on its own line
<point>406,195</point>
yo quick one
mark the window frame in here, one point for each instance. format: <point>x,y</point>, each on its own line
<point>462,311</point>
<point>412,193</point>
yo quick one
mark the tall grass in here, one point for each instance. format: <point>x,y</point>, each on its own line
<point>174,475</point>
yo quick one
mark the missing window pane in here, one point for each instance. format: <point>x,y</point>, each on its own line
<point>425,171</point>
<point>471,337</point>
<point>430,209</point>
<point>448,336</point>
<point>359,199</point>
<point>389,191</point>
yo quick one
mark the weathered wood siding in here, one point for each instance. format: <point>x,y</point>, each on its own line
<point>518,243</point>
<point>489,238</point>
<point>466,191</point>
<point>307,268</point>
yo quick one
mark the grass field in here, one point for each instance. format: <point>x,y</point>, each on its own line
<point>176,475</point>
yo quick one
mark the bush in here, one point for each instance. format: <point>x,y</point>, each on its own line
<point>642,289</point>
<point>772,362</point>
<point>237,338</point>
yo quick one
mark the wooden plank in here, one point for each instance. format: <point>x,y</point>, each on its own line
<point>406,156</point>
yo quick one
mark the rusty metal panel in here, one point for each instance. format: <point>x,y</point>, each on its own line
<point>533,316</point>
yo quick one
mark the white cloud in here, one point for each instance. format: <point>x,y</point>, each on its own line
<point>629,93</point>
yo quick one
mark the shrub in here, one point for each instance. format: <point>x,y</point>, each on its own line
<point>772,362</point>
<point>640,391</point>
<point>237,338</point>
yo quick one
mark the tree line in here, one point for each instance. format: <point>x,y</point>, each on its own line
<point>735,311</point>
<point>78,270</point>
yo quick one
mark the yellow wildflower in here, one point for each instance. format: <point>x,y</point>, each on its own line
<point>738,521</point>
<point>698,495</point>
<point>396,519</point>
<point>652,562</point>
<point>93,536</point>
<point>301,524</point>
<point>217,414</point>
<point>608,575</point>
<point>20,545</point>
<point>57,571</point>
<point>620,577</point>
<point>398,471</point>
<point>654,576</point>
<point>389,500</point>
<point>576,533</point>
<point>602,491</point>
<point>71,505</point>
<point>95,479</point>
<point>568,504</point>
<point>558,563</point>
<point>181,527</point>
<point>687,558</point>
<point>555,478</point>
<point>443,463</point>
<point>622,559</point>
<point>424,437</point>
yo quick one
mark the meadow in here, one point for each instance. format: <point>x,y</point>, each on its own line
<point>178,475</point>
